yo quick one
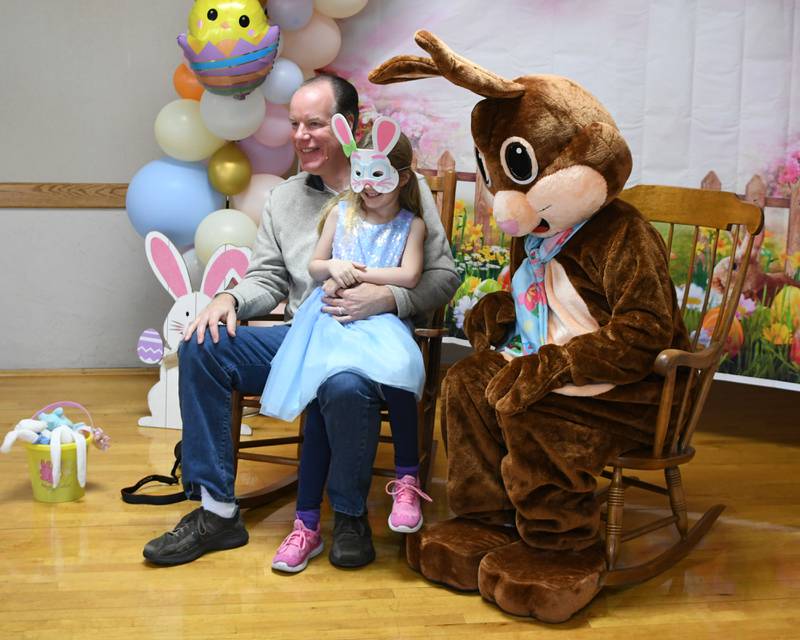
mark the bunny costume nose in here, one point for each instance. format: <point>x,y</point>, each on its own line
<point>514,214</point>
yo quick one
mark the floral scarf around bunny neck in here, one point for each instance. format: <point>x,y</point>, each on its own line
<point>530,296</point>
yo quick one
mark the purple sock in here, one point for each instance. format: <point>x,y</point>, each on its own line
<point>310,518</point>
<point>407,471</point>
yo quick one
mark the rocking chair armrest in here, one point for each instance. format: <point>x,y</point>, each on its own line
<point>670,359</point>
<point>269,317</point>
<point>430,333</point>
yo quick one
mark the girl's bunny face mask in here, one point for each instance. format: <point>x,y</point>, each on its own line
<point>370,167</point>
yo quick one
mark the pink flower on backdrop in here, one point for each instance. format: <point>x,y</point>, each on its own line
<point>784,172</point>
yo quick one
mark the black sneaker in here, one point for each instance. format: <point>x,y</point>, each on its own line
<point>197,533</point>
<point>352,541</point>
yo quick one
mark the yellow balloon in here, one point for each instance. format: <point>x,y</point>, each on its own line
<point>224,226</point>
<point>229,170</point>
<point>182,134</point>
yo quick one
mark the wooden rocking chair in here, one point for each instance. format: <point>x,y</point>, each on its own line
<point>706,213</point>
<point>443,186</point>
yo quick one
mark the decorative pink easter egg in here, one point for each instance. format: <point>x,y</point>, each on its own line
<point>150,347</point>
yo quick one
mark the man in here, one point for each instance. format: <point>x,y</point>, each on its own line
<point>238,358</point>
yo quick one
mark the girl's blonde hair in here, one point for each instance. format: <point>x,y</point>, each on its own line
<point>400,158</point>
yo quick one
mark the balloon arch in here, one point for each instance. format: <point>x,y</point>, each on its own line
<point>227,138</point>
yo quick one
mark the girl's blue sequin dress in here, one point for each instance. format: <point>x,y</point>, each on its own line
<point>316,347</point>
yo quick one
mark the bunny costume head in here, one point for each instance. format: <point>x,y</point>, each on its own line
<point>370,167</point>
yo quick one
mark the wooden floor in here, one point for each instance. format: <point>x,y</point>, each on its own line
<point>75,570</point>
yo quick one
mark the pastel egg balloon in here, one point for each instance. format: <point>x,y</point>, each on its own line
<point>275,130</point>
<point>231,118</point>
<point>315,45</point>
<point>251,200</point>
<point>290,15</point>
<point>274,160</point>
<point>285,79</point>
<point>182,134</point>
<point>172,197</point>
<point>150,347</point>
<point>339,8</point>
<point>226,226</point>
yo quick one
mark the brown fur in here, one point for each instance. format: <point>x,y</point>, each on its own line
<point>520,455</point>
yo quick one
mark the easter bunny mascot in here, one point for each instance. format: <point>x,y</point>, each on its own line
<point>561,379</point>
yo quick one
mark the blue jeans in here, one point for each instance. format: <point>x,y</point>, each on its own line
<point>347,425</point>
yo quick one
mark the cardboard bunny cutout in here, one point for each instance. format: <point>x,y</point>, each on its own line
<point>370,167</point>
<point>228,263</point>
<point>561,379</point>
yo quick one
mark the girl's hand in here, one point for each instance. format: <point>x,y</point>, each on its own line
<point>345,273</point>
<point>329,287</point>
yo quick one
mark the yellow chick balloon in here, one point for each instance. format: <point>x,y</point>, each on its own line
<point>226,21</point>
<point>230,45</point>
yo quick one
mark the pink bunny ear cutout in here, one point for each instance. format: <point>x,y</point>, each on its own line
<point>342,131</point>
<point>227,263</point>
<point>385,133</point>
<point>167,263</point>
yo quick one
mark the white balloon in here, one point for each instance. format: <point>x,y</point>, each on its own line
<point>182,134</point>
<point>231,118</point>
<point>225,226</point>
<point>194,267</point>
<point>339,8</point>
<point>281,83</point>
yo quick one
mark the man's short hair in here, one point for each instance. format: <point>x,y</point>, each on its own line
<point>345,96</point>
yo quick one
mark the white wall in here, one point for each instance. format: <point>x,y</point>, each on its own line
<point>81,85</point>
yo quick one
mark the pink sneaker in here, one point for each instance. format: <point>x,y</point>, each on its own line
<point>297,548</point>
<point>406,516</point>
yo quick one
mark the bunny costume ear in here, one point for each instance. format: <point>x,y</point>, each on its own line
<point>446,63</point>
<point>227,263</point>
<point>167,263</point>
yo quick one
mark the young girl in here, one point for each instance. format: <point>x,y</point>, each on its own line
<point>372,233</point>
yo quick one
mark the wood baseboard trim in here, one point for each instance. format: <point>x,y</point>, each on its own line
<point>116,371</point>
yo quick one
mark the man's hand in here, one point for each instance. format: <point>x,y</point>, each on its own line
<point>345,273</point>
<point>220,309</point>
<point>359,302</point>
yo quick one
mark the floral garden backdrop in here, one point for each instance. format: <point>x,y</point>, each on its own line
<point>696,87</point>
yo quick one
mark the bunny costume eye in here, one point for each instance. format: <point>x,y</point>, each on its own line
<point>481,161</point>
<point>519,160</point>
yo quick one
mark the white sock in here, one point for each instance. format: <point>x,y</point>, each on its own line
<point>222,509</point>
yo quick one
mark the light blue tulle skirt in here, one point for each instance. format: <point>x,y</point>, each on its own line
<point>316,347</point>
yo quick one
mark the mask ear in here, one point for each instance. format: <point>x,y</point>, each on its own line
<point>343,133</point>
<point>385,133</point>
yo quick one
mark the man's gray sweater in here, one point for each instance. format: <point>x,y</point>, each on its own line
<point>285,243</point>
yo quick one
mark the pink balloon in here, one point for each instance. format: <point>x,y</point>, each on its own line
<point>275,130</point>
<point>274,160</point>
<point>251,200</point>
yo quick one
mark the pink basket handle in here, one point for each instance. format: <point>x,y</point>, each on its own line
<point>65,403</point>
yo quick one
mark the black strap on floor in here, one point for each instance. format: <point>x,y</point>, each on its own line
<point>130,496</point>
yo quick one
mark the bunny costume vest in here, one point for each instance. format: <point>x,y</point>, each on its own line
<point>317,346</point>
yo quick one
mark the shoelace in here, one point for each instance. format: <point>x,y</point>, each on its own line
<point>403,491</point>
<point>296,538</point>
